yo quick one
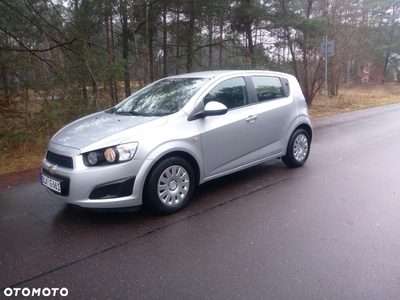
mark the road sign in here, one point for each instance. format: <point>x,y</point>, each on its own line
<point>328,47</point>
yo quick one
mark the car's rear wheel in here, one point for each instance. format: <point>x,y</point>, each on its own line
<point>298,149</point>
<point>169,186</point>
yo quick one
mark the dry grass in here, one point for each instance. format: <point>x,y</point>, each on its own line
<point>28,156</point>
<point>20,160</point>
<point>356,98</point>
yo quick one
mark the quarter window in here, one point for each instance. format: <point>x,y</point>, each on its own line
<point>268,88</point>
<point>232,93</point>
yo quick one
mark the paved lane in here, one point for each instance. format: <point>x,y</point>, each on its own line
<point>328,230</point>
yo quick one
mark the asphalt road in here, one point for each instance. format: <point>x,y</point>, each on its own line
<point>328,230</point>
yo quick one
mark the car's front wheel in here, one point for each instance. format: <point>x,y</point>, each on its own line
<point>298,149</point>
<point>169,186</point>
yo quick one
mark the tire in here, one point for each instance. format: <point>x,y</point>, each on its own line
<point>169,186</point>
<point>298,149</point>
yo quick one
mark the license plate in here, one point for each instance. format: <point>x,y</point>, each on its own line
<point>50,183</point>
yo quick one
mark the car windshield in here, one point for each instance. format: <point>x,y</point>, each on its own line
<point>160,98</point>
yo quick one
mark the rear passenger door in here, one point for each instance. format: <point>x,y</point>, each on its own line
<point>229,141</point>
<point>276,112</point>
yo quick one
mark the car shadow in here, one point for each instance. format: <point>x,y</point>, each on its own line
<point>206,196</point>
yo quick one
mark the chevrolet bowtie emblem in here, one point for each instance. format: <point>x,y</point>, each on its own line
<point>52,169</point>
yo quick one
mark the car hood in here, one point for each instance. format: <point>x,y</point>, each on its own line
<point>103,130</point>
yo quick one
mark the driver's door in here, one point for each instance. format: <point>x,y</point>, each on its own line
<point>231,140</point>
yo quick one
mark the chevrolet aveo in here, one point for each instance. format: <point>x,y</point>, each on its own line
<point>154,147</point>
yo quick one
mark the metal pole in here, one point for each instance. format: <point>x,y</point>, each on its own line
<point>326,72</point>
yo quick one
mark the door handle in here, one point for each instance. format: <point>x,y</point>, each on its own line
<point>251,118</point>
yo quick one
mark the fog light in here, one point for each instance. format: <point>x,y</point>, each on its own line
<point>92,158</point>
<point>110,155</point>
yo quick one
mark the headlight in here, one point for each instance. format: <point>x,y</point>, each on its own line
<point>92,158</point>
<point>120,153</point>
<point>127,151</point>
<point>110,155</point>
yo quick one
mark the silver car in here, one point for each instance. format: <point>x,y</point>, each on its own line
<point>157,145</point>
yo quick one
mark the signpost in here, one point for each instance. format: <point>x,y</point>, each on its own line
<point>327,50</point>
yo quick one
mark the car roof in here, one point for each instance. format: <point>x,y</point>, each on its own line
<point>220,73</point>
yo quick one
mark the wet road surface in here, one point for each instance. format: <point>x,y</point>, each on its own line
<point>328,230</point>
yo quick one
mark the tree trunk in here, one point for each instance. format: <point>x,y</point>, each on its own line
<point>178,24</point>
<point>149,43</point>
<point>249,34</point>
<point>165,43</point>
<point>125,39</point>
<point>114,82</point>
<point>189,45</point>
<point>210,47</point>
<point>84,93</point>
<point>108,50</point>
<point>221,35</point>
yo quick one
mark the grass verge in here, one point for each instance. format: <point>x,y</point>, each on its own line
<point>356,98</point>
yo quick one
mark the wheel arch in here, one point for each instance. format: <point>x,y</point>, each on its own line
<point>307,128</point>
<point>296,156</point>
<point>182,154</point>
<point>151,199</point>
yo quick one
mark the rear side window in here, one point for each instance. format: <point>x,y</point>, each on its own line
<point>232,93</point>
<point>268,87</point>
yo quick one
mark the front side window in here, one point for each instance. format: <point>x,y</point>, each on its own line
<point>268,88</point>
<point>161,98</point>
<point>232,93</point>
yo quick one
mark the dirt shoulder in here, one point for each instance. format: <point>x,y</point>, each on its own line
<point>14,178</point>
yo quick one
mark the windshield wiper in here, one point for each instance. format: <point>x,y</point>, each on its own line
<point>126,113</point>
<point>112,110</point>
<point>134,113</point>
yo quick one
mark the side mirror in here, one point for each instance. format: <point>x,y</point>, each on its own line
<point>212,108</point>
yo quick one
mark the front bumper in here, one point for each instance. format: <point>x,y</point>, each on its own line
<point>111,186</point>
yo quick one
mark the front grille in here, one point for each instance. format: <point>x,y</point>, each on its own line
<point>60,160</point>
